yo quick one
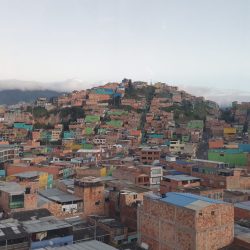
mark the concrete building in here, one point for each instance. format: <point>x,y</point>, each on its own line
<point>153,172</point>
<point>8,153</point>
<point>185,221</point>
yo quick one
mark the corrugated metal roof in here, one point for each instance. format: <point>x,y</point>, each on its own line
<point>187,200</point>
<point>181,177</point>
<point>57,195</point>
<point>87,245</point>
<point>243,205</point>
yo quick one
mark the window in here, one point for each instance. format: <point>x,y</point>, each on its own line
<point>27,190</point>
<point>156,171</point>
<point>135,196</point>
<point>213,213</point>
<point>200,213</point>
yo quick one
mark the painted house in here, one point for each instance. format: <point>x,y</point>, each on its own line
<point>234,157</point>
<point>23,125</point>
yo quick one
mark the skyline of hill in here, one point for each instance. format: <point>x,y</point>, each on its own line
<point>13,91</point>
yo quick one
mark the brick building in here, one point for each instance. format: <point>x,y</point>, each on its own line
<point>185,221</point>
<point>91,190</point>
<point>150,154</point>
<point>242,210</point>
<point>174,183</point>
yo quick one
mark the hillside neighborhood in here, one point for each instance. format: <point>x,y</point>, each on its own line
<point>125,165</point>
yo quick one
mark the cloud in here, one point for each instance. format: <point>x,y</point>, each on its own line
<point>223,97</point>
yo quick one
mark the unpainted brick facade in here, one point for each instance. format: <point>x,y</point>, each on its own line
<point>167,227</point>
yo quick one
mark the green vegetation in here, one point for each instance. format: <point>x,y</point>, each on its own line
<point>73,112</point>
<point>226,114</point>
<point>43,126</point>
<point>187,111</point>
<point>38,112</point>
<point>132,93</point>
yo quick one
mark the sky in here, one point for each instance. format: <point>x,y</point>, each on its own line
<point>204,44</point>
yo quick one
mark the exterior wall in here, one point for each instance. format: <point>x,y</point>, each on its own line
<point>57,209</point>
<point>245,182</point>
<point>128,209</point>
<point>30,200</point>
<point>213,193</point>
<point>4,201</point>
<point>11,170</point>
<point>93,198</point>
<point>148,157</point>
<point>173,186</point>
<point>161,226</point>
<point>96,172</point>
<point>154,173</point>
<point>215,143</point>
<point>240,213</point>
<point>133,175</point>
<point>215,228</point>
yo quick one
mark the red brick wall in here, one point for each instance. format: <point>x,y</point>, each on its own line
<point>91,196</point>
<point>11,170</point>
<point>240,213</point>
<point>164,226</point>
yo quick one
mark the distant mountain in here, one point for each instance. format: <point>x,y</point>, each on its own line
<point>67,85</point>
<point>14,96</point>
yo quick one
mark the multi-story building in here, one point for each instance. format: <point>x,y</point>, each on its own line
<point>91,190</point>
<point>185,221</point>
<point>153,172</point>
<point>150,154</point>
<point>8,153</point>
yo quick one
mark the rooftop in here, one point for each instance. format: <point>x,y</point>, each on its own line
<point>207,161</point>
<point>58,196</point>
<point>191,201</point>
<point>243,205</point>
<point>181,177</point>
<point>86,245</point>
<point>242,233</point>
<point>44,224</point>
<point>11,229</point>
<point>11,187</point>
<point>29,174</point>
<point>31,214</point>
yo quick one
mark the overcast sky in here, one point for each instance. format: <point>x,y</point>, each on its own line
<point>188,42</point>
